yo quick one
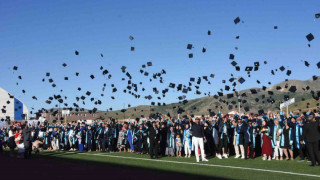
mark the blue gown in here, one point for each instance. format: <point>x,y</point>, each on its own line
<point>130,139</point>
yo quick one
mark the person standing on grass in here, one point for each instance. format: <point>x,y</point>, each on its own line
<point>154,140</point>
<point>27,141</point>
<point>311,136</point>
<point>286,141</point>
<point>187,141</point>
<point>266,142</point>
<point>170,142</point>
<point>178,146</point>
<point>197,138</point>
<point>89,138</point>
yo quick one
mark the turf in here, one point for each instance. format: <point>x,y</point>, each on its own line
<point>102,159</point>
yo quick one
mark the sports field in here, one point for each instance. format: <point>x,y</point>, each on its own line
<point>186,168</point>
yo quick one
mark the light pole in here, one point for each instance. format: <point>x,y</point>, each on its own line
<point>239,98</point>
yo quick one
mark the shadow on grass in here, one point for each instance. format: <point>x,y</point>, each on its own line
<point>66,165</point>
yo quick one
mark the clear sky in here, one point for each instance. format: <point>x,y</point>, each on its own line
<point>39,36</point>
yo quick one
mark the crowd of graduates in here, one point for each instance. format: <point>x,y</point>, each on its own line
<point>270,135</point>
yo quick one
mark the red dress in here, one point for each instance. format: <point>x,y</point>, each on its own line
<point>266,146</point>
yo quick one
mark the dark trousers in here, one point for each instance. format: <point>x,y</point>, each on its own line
<point>245,146</point>
<point>302,149</point>
<point>223,143</point>
<point>114,144</point>
<point>145,146</point>
<point>139,146</point>
<point>154,146</point>
<point>251,149</point>
<point>313,149</point>
<point>1,146</point>
<point>27,150</point>
<point>104,144</point>
<point>89,144</point>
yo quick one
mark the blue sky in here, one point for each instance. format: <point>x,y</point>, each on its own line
<point>39,36</point>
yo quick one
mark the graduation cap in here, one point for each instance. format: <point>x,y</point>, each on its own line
<point>275,27</point>
<point>227,88</point>
<point>246,109</point>
<point>92,76</point>
<point>229,96</point>
<point>241,80</point>
<point>256,68</point>
<point>77,74</point>
<point>231,56</point>
<point>249,68</point>
<point>256,63</point>
<point>204,50</point>
<point>318,65</point>
<point>223,81</point>
<point>237,68</point>
<point>192,79</point>
<point>172,85</point>
<point>237,37</point>
<point>132,48</point>
<point>253,91</point>
<point>64,64</point>
<point>212,75</point>
<point>234,63</point>
<point>209,32</point>
<point>306,63</point>
<point>191,55</point>
<point>66,78</point>
<point>149,63</point>
<point>15,68</point>
<point>310,37</point>
<point>236,20</point>
<point>76,53</point>
<point>317,15</point>
<point>88,93</point>
<point>131,38</point>
<point>314,78</point>
<point>189,46</point>
<point>282,68</point>
<point>288,72</point>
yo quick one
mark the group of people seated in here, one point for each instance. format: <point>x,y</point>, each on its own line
<point>274,136</point>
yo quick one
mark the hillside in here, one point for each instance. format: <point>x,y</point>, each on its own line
<point>268,99</point>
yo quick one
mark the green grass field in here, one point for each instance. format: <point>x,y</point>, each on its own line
<point>226,168</point>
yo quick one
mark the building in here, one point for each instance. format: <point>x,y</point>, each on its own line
<point>12,108</point>
<point>73,116</point>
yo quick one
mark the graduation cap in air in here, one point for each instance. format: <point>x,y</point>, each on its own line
<point>204,50</point>
<point>231,56</point>
<point>92,76</point>
<point>237,68</point>
<point>236,20</point>
<point>189,46</point>
<point>223,81</point>
<point>15,68</point>
<point>88,93</point>
<point>229,96</point>
<point>47,74</point>
<point>241,80</point>
<point>253,91</point>
<point>64,65</point>
<point>192,79</point>
<point>272,72</point>
<point>317,15</point>
<point>132,48</point>
<point>131,38</point>
<point>306,63</point>
<point>149,63</point>
<point>310,37</point>
<point>282,68</point>
<point>237,37</point>
<point>209,32</point>
<point>314,77</point>
<point>249,68</point>
<point>76,53</point>
<point>246,109</point>
<point>318,65</point>
<point>172,85</point>
<point>234,63</point>
<point>288,72</point>
<point>275,27</point>
<point>66,78</point>
<point>191,55</point>
<point>227,88</point>
<point>256,63</point>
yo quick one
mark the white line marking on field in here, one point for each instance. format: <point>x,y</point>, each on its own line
<point>199,164</point>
